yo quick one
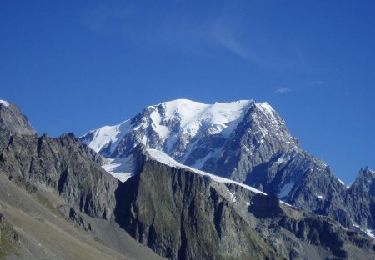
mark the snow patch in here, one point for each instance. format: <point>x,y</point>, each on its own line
<point>286,204</point>
<point>120,168</point>
<point>280,160</point>
<point>123,177</point>
<point>160,129</point>
<point>4,103</point>
<point>108,135</point>
<point>370,233</point>
<point>266,108</point>
<point>233,197</point>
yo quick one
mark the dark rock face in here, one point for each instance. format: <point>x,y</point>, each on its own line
<point>183,215</point>
<point>317,232</point>
<point>259,138</point>
<point>265,207</point>
<point>64,165</point>
<point>360,198</point>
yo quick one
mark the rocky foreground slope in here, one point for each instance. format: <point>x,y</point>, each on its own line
<point>53,191</point>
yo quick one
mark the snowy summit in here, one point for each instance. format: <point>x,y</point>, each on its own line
<point>193,118</point>
<point>192,133</point>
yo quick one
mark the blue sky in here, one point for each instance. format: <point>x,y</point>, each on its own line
<point>76,65</point>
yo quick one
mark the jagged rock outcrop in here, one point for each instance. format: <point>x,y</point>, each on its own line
<point>13,120</point>
<point>360,197</point>
<point>64,165</point>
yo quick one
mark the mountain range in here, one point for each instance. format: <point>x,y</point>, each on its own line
<point>183,179</point>
<point>244,141</point>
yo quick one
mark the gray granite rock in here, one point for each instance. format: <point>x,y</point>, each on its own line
<point>13,120</point>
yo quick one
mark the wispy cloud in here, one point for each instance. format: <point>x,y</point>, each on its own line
<point>225,34</point>
<point>229,33</point>
<point>283,90</point>
<point>202,35</point>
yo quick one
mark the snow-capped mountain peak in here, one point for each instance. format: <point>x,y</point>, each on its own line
<point>168,121</point>
<point>199,135</point>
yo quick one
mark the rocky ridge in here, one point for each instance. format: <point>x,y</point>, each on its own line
<point>13,120</point>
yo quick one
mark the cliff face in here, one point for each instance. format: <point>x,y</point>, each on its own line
<point>65,166</point>
<point>13,120</point>
<point>184,215</point>
<point>361,198</point>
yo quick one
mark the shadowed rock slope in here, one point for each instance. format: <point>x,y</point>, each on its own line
<point>184,215</point>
